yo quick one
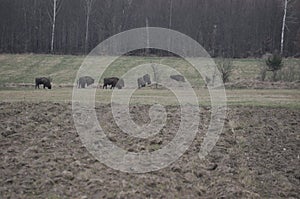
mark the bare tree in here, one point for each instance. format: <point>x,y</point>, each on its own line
<point>170,22</point>
<point>55,5</point>
<point>171,12</point>
<point>225,67</point>
<point>147,50</point>
<point>155,74</point>
<point>288,18</point>
<point>88,10</point>
<point>283,26</point>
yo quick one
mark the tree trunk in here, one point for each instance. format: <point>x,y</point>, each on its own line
<point>86,44</point>
<point>89,4</point>
<point>170,23</point>
<point>147,50</point>
<point>53,25</point>
<point>40,40</point>
<point>283,27</point>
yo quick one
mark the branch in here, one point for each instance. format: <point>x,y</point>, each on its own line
<point>287,28</point>
<point>49,15</point>
<point>59,6</point>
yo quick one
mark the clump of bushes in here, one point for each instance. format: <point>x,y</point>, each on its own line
<point>274,64</point>
<point>289,74</point>
<point>225,66</point>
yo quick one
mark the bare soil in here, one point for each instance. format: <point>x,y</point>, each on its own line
<point>41,156</point>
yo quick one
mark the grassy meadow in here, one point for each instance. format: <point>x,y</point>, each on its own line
<point>23,68</point>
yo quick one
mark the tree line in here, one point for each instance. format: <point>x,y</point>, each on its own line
<point>228,28</point>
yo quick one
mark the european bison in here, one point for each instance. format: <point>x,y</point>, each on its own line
<point>42,80</point>
<point>114,82</point>
<point>147,79</point>
<point>141,82</point>
<point>86,80</point>
<point>120,84</point>
<point>178,78</point>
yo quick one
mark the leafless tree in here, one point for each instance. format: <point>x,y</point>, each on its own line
<point>56,6</point>
<point>88,10</point>
<point>288,17</point>
<point>283,26</point>
<point>155,74</point>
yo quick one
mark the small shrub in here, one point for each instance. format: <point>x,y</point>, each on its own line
<point>274,64</point>
<point>225,67</point>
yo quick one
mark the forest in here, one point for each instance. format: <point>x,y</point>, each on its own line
<point>227,28</point>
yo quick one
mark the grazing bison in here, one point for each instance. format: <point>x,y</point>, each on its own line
<point>141,82</point>
<point>147,79</point>
<point>86,80</point>
<point>42,80</point>
<point>120,84</point>
<point>114,82</point>
<point>178,78</point>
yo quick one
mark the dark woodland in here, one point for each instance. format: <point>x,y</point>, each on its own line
<point>229,28</point>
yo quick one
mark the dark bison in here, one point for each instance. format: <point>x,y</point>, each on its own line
<point>147,79</point>
<point>178,78</point>
<point>141,82</point>
<point>42,80</point>
<point>114,82</point>
<point>86,80</point>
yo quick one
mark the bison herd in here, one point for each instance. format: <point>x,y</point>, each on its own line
<point>113,82</point>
